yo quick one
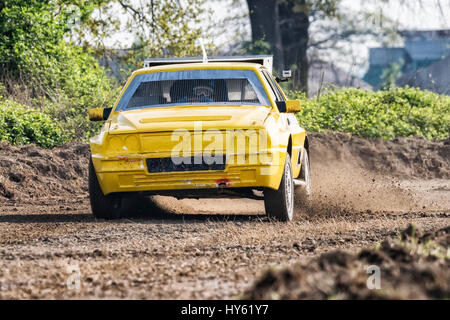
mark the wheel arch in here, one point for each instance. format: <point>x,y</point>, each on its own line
<point>306,145</point>
<point>289,146</point>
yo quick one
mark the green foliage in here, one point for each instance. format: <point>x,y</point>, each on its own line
<point>167,28</point>
<point>257,47</point>
<point>61,78</point>
<point>22,125</point>
<point>75,83</point>
<point>397,112</point>
<point>48,49</point>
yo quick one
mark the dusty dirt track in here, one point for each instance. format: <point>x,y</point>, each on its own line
<point>364,192</point>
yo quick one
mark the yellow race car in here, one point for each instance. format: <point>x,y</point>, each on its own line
<point>190,128</point>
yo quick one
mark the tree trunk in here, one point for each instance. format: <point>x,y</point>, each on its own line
<point>278,43</point>
<point>260,17</point>
<point>294,16</point>
<point>285,25</point>
<point>265,26</point>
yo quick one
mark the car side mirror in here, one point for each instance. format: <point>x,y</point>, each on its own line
<point>289,106</point>
<point>99,114</point>
<point>293,106</point>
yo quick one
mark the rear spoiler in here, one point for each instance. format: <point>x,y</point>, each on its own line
<point>266,61</point>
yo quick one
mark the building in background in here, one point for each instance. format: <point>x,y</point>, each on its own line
<point>435,78</point>
<point>421,50</point>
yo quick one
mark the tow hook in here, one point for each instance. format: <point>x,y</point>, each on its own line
<point>223,183</point>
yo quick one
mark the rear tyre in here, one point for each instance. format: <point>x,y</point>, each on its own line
<point>279,204</point>
<point>103,207</point>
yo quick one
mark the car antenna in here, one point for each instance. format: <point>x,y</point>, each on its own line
<point>205,57</point>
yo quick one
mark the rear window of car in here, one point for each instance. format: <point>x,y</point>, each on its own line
<point>188,87</point>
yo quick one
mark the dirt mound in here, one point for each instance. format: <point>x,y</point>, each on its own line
<point>413,268</point>
<point>353,175</point>
<point>401,157</point>
<point>29,172</point>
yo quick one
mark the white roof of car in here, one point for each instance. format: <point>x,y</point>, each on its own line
<point>266,61</point>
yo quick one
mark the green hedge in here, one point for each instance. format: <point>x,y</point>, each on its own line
<point>397,112</point>
<point>21,125</point>
<point>387,114</point>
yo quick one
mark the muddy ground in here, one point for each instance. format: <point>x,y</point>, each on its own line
<point>416,266</point>
<point>365,191</point>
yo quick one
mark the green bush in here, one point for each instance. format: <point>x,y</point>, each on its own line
<point>396,112</point>
<point>66,82</point>
<point>40,67</point>
<point>21,125</point>
<point>79,84</point>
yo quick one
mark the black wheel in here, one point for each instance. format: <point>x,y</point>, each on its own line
<point>303,192</point>
<point>103,207</point>
<point>279,203</point>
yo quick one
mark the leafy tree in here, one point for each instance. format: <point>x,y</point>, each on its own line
<point>35,58</point>
<point>157,29</point>
<point>49,50</point>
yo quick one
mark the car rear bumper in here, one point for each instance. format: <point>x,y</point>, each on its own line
<point>132,175</point>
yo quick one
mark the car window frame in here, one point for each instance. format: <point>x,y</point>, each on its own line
<point>275,90</point>
<point>134,81</point>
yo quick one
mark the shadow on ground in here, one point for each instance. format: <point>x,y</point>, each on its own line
<point>135,210</point>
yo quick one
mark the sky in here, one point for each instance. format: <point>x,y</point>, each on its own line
<point>424,14</point>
